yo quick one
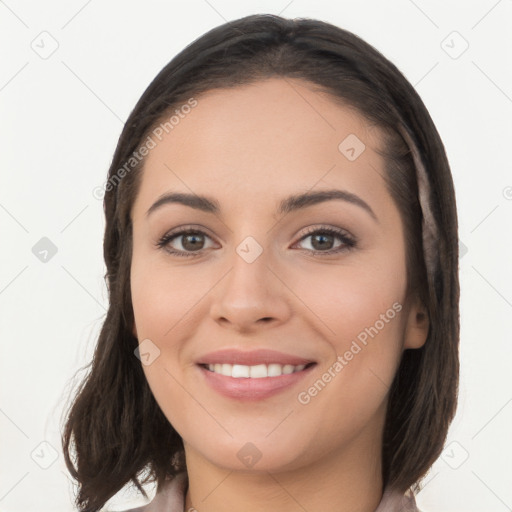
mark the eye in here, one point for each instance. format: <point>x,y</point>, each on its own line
<point>191,241</point>
<point>323,239</point>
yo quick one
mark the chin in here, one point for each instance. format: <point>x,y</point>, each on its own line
<point>256,453</point>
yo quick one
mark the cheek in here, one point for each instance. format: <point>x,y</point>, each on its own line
<point>163,296</point>
<point>163,305</point>
<point>362,314</point>
<point>354,302</point>
<point>167,304</point>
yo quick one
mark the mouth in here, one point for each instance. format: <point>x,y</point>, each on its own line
<point>238,384</point>
<point>252,375</point>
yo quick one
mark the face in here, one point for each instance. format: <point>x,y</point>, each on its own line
<point>259,286</point>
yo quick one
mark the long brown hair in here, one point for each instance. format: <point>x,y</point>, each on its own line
<point>115,433</point>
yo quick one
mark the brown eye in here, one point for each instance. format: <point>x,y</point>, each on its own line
<point>187,242</point>
<point>323,241</point>
<point>192,242</point>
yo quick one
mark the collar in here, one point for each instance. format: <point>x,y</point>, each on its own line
<point>171,498</point>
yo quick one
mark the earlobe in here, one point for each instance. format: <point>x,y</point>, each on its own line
<point>417,328</point>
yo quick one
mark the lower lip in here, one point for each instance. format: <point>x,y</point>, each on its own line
<point>245,388</point>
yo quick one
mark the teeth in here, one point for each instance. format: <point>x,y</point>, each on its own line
<point>258,371</point>
<point>240,371</point>
<point>255,372</point>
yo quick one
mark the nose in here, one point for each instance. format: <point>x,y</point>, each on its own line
<point>253,295</point>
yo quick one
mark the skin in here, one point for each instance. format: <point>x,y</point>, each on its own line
<point>249,147</point>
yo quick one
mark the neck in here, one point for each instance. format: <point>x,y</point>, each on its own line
<point>348,479</point>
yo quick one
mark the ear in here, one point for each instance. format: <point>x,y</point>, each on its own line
<point>417,325</point>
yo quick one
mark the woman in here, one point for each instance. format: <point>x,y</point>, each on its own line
<point>282,265</point>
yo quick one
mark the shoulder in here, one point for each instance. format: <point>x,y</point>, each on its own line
<point>171,497</point>
<point>394,500</point>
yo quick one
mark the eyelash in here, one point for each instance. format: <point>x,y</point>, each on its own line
<point>349,242</point>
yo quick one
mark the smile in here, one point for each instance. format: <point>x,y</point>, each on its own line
<point>255,382</point>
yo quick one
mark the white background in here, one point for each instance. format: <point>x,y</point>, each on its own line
<point>60,120</point>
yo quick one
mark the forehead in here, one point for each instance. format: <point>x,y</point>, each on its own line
<point>275,136</point>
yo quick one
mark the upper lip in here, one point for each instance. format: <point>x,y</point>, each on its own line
<point>252,357</point>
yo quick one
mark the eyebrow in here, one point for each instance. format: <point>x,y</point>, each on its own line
<point>287,205</point>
